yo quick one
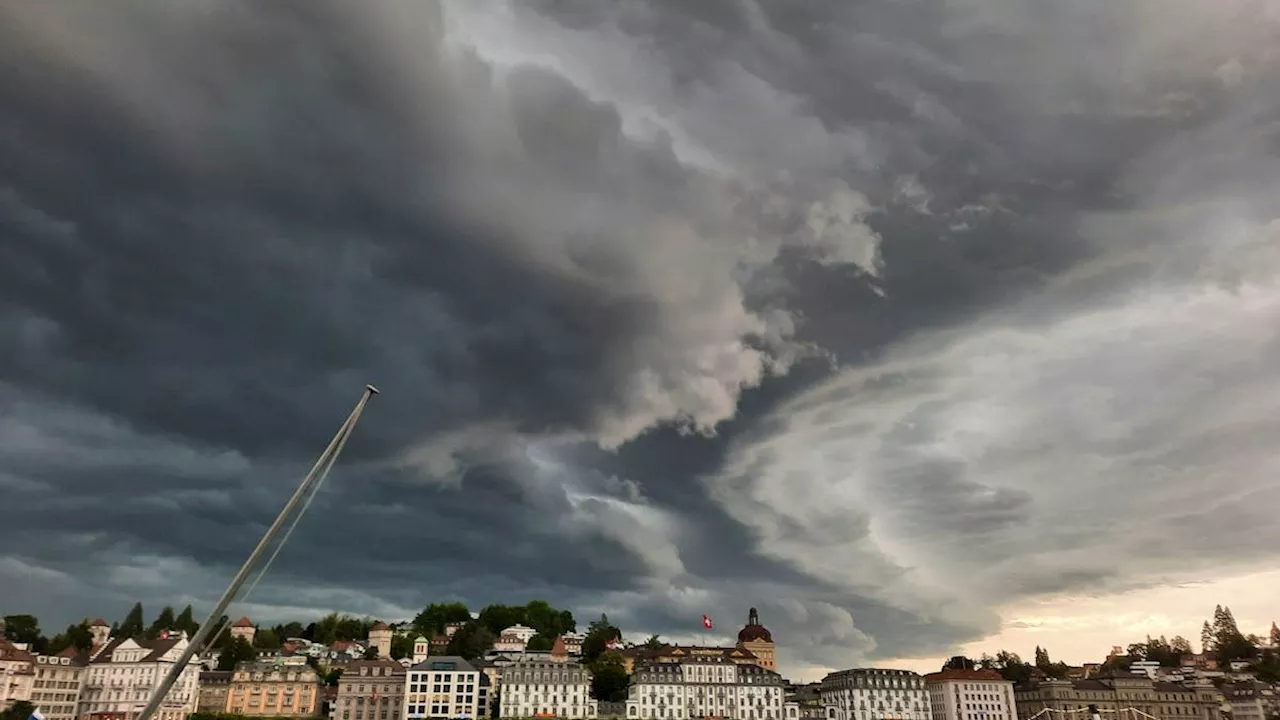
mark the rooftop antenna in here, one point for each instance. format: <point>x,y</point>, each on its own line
<point>313,478</point>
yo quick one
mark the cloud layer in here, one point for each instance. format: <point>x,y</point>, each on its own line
<point>881,316</point>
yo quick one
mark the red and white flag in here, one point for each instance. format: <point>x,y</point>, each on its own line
<point>706,622</point>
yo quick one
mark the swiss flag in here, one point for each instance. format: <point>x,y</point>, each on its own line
<point>706,622</point>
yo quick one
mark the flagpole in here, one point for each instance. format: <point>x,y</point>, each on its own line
<point>206,628</point>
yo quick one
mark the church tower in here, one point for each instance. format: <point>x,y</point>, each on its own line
<point>756,639</point>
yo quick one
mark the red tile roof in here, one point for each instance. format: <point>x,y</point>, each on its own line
<point>243,622</point>
<point>379,626</point>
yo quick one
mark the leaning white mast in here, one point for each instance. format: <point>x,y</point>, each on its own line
<point>317,473</point>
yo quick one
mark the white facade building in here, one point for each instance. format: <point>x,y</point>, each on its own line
<point>58,680</point>
<point>122,676</point>
<point>971,695</point>
<point>445,687</point>
<point>544,687</point>
<point>17,673</point>
<point>514,639</point>
<point>706,686</point>
<point>877,694</point>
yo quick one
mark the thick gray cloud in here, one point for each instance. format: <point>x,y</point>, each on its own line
<point>859,312</point>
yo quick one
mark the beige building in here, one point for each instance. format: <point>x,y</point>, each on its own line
<point>58,680</point>
<point>243,628</point>
<point>1114,692</point>
<point>123,674</point>
<point>370,690</point>
<point>956,694</point>
<point>270,689</point>
<point>380,638</point>
<point>214,687</point>
<point>17,674</point>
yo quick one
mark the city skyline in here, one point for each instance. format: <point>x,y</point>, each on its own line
<point>920,326</point>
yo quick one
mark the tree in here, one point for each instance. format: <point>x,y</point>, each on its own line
<point>540,643</point>
<point>609,679</point>
<point>1042,658</point>
<point>371,653</point>
<point>471,641</point>
<point>132,626</point>
<point>236,651</point>
<point>435,616</point>
<point>1009,665</point>
<point>1181,646</point>
<point>164,621</point>
<point>78,636</point>
<point>959,662</point>
<point>290,630</point>
<point>22,629</point>
<point>401,646</point>
<point>267,639</point>
<point>186,623</point>
<point>1206,639</point>
<point>20,710</point>
<point>599,635</point>
<point>654,642</point>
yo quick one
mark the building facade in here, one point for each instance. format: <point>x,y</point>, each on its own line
<point>380,638</point>
<point>57,683</point>
<point>243,628</point>
<point>17,674</point>
<point>757,640</point>
<point>956,694</point>
<point>706,686</point>
<point>514,639</point>
<point>877,694</point>
<point>1245,700</point>
<point>445,687</point>
<point>273,689</point>
<point>215,685</point>
<point>535,687</point>
<point>122,676</point>
<point>1116,692</point>
<point>371,690</point>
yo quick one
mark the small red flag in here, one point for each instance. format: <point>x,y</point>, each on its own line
<point>706,622</point>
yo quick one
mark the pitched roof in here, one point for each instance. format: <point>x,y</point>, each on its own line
<point>558,648</point>
<point>459,663</point>
<point>379,626</point>
<point>961,674</point>
<point>100,623</point>
<point>242,623</point>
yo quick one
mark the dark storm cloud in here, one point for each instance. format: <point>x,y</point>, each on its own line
<point>575,226</point>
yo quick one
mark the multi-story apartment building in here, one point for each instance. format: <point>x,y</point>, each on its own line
<point>58,680</point>
<point>445,687</point>
<point>274,689</point>
<point>123,674</point>
<point>1112,693</point>
<point>1245,699</point>
<point>371,690</point>
<point>877,694</point>
<point>17,674</point>
<point>539,687</point>
<point>956,694</point>
<point>215,685</point>
<point>706,686</point>
<point>514,639</point>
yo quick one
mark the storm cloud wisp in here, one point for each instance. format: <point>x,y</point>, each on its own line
<point>862,310</point>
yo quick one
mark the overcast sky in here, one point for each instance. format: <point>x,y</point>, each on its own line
<point>923,326</point>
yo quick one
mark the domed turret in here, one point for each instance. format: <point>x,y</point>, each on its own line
<point>754,631</point>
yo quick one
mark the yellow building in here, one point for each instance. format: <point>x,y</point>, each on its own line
<point>1113,693</point>
<point>270,689</point>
